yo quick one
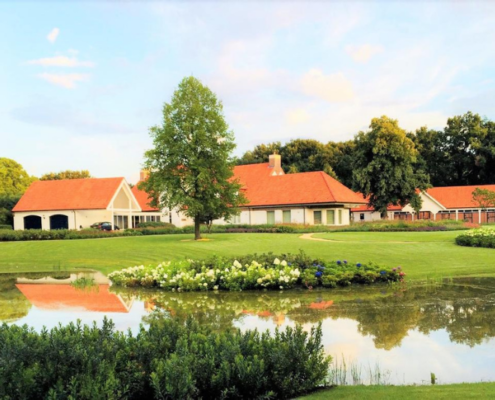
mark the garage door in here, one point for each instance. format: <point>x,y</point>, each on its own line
<point>59,221</point>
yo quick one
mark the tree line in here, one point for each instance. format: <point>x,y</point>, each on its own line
<point>387,164</point>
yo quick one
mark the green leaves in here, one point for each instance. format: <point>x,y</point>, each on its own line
<point>191,165</point>
<point>14,180</point>
<point>384,166</point>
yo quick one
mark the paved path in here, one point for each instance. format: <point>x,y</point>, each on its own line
<point>309,236</point>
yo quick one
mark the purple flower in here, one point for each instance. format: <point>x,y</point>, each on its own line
<point>339,262</point>
<point>394,269</point>
<point>358,265</point>
<point>345,261</point>
<point>383,272</point>
<point>318,274</point>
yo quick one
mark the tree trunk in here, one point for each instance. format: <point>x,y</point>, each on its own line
<point>197,232</point>
<point>384,214</point>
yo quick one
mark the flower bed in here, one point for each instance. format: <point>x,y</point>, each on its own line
<point>477,238</point>
<point>267,272</point>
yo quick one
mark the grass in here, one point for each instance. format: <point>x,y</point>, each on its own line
<point>457,391</point>
<point>421,254</point>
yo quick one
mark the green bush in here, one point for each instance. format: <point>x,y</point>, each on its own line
<point>7,227</point>
<point>477,238</point>
<point>155,225</point>
<point>169,360</point>
<point>265,271</point>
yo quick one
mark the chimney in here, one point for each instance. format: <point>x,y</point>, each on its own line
<point>143,175</point>
<point>275,163</point>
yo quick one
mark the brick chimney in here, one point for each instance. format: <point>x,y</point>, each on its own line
<point>143,175</point>
<point>275,163</point>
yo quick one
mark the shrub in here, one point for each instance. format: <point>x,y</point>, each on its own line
<point>155,225</point>
<point>7,227</point>
<point>253,272</point>
<point>169,360</point>
<point>477,238</point>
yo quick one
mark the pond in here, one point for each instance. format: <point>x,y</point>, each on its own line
<point>408,331</point>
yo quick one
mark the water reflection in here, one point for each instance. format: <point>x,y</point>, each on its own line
<point>445,328</point>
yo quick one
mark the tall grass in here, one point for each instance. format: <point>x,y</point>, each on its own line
<point>343,372</point>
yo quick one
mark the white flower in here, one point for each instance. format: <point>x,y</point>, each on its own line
<point>281,287</point>
<point>276,261</point>
<point>215,287</point>
<point>205,284</point>
<point>237,264</point>
<point>259,281</point>
<point>283,263</point>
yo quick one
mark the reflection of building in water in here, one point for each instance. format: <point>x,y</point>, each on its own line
<point>278,317</point>
<point>321,305</point>
<point>63,297</point>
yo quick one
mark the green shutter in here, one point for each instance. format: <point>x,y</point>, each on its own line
<point>317,217</point>
<point>340,217</point>
<point>270,217</point>
<point>330,217</point>
<point>286,218</point>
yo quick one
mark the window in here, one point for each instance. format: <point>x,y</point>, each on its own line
<point>340,217</point>
<point>330,217</point>
<point>468,216</point>
<point>361,217</point>
<point>235,219</point>
<point>286,217</point>
<point>317,217</point>
<point>424,215</point>
<point>270,217</point>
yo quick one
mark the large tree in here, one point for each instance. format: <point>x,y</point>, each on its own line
<point>14,180</point>
<point>67,174</point>
<point>385,166</point>
<point>191,164</point>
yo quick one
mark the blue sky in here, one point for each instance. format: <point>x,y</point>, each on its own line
<point>81,83</point>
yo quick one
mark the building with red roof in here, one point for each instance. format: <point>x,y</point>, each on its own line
<point>76,204</point>
<point>450,202</point>
<point>275,197</point>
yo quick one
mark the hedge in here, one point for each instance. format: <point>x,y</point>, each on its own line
<point>169,229</point>
<point>8,227</point>
<point>168,360</point>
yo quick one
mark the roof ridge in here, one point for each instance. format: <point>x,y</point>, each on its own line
<point>322,174</point>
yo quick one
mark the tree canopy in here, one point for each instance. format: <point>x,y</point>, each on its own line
<point>384,166</point>
<point>67,174</point>
<point>191,163</point>
<point>484,198</point>
<point>14,180</point>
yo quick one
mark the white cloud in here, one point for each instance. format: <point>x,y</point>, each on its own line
<point>331,88</point>
<point>61,61</point>
<point>297,116</point>
<point>67,81</point>
<point>52,36</point>
<point>362,54</point>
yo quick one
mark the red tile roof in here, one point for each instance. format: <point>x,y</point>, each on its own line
<point>457,196</point>
<point>56,296</point>
<point>69,194</point>
<point>143,199</point>
<point>262,189</point>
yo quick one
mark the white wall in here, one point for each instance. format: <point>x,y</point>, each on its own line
<point>76,219</point>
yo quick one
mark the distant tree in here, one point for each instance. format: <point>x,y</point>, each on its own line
<point>343,155</point>
<point>461,142</point>
<point>68,174</point>
<point>430,159</point>
<point>259,154</point>
<point>191,164</point>
<point>306,155</point>
<point>484,198</point>
<point>7,203</point>
<point>14,180</point>
<point>485,154</point>
<point>384,166</point>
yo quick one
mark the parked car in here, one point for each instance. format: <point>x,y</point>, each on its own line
<point>104,226</point>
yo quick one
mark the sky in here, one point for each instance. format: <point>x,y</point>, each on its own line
<point>82,82</point>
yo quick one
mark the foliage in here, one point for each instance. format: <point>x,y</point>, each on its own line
<point>477,238</point>
<point>169,360</point>
<point>8,235</point>
<point>68,174</point>
<point>254,272</point>
<point>191,166</point>
<point>14,180</point>
<point>155,225</point>
<point>484,198</point>
<point>260,153</point>
<point>7,227</point>
<point>7,203</point>
<point>385,165</point>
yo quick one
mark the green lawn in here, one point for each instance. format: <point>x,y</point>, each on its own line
<point>458,391</point>
<point>421,254</point>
